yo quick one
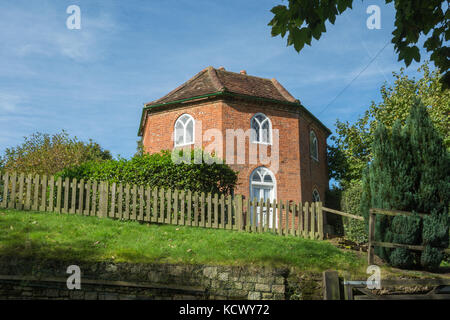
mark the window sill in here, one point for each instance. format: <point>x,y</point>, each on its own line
<point>263,143</point>
<point>183,145</point>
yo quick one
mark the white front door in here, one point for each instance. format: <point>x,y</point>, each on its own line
<point>264,193</point>
<point>262,187</point>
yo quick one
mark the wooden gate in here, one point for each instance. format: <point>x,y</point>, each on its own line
<point>336,288</point>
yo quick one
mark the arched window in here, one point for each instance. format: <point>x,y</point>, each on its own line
<point>262,187</point>
<point>313,146</point>
<point>261,129</point>
<point>184,130</point>
<point>316,196</point>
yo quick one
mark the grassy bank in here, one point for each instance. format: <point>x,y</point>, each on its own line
<point>72,237</point>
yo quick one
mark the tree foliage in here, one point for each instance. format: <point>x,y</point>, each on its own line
<point>410,171</point>
<point>159,170</point>
<point>302,20</point>
<point>42,153</point>
<point>353,142</point>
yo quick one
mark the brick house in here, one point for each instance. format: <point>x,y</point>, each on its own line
<point>226,102</point>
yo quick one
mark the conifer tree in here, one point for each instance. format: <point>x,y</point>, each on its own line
<point>410,172</point>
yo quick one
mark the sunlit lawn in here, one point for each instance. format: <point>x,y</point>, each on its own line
<point>72,237</point>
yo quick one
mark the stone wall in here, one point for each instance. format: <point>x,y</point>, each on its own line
<point>35,279</point>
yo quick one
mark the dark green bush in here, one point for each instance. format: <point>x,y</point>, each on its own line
<point>158,170</point>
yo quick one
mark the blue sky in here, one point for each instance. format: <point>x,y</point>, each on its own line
<point>93,82</point>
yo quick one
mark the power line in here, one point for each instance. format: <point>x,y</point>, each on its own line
<point>353,80</point>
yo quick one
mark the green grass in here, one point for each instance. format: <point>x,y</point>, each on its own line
<point>72,237</point>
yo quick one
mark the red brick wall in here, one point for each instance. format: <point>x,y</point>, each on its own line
<point>298,173</point>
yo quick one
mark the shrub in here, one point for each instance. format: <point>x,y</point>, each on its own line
<point>158,170</point>
<point>410,171</point>
<point>354,230</point>
<point>47,154</point>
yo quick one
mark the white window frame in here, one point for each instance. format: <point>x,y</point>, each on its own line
<point>318,195</point>
<point>191,118</point>
<point>259,139</point>
<point>312,137</point>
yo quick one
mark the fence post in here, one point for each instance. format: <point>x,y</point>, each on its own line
<point>331,286</point>
<point>12,200</point>
<point>370,251</point>
<point>239,211</point>
<point>321,220</point>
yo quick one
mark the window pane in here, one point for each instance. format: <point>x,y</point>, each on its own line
<point>260,118</point>
<point>267,178</point>
<point>184,118</point>
<point>266,194</point>
<point>266,132</point>
<point>190,132</point>
<point>256,177</point>
<point>256,193</point>
<point>255,131</point>
<point>178,136</point>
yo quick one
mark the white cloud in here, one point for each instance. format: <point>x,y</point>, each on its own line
<point>29,34</point>
<point>9,102</point>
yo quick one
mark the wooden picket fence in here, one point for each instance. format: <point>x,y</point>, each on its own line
<point>159,205</point>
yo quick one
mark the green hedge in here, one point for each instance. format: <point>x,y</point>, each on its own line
<point>354,230</point>
<point>159,170</point>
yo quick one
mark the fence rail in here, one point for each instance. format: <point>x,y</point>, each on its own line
<point>160,205</point>
<point>373,243</point>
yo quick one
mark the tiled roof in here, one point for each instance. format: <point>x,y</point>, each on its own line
<point>211,80</point>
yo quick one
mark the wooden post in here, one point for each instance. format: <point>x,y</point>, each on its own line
<point>120,201</point>
<point>73,202</point>
<point>274,215</point>
<point>51,198</point>
<point>331,286</point>
<point>189,208</point>
<point>230,219</point>
<point>239,212</point>
<point>88,198</point>
<point>59,185</point>
<point>154,217</point>
<point>370,253</point>
<point>300,220</point>
<point>202,209</point>
<point>35,206</point>
<point>148,208</point>
<point>176,198</point>
<point>222,211</point>
<point>81,198</point>
<point>112,211</point>
<point>280,217</point>
<point>293,210</point>
<point>162,204</point>
<point>21,181</point>
<point>12,200</point>
<point>127,202</point>
<point>209,204</point>
<point>94,199</point>
<point>5,190</point>
<point>183,205</point>
<point>267,218</point>
<point>306,220</point>
<point>28,195</point>
<point>141,204</point>
<point>321,220</point>
<point>216,210</point>
<point>134,205</point>
<point>43,194</point>
<point>287,218</point>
